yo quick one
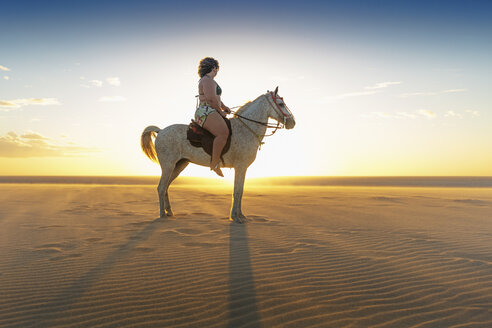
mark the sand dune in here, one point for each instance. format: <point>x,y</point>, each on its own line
<point>98,256</point>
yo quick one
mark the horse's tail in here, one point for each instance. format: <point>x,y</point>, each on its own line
<point>147,144</point>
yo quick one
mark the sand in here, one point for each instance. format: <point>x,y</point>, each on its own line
<point>98,256</point>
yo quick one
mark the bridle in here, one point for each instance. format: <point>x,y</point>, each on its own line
<point>277,106</point>
<point>274,99</point>
<point>268,125</point>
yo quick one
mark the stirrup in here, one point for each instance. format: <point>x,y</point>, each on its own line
<point>217,170</point>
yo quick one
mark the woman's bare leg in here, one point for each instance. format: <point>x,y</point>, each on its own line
<point>217,126</point>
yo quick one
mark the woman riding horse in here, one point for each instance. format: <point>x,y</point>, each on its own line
<point>211,110</point>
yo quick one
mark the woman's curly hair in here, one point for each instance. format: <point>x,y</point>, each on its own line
<point>206,65</point>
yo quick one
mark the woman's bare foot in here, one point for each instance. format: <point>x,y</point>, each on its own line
<point>217,170</point>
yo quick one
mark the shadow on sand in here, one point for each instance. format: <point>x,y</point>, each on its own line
<point>68,297</point>
<point>243,310</point>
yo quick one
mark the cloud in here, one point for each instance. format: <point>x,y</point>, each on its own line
<point>452,113</point>
<point>370,90</point>
<point>112,99</point>
<point>454,90</point>
<point>382,85</point>
<point>427,113</point>
<point>418,94</point>
<point>475,113</point>
<point>115,81</point>
<point>34,136</point>
<point>432,93</point>
<point>403,115</point>
<point>346,95</point>
<point>287,78</point>
<point>398,115</point>
<point>3,68</point>
<point>35,145</point>
<point>6,77</point>
<point>423,113</point>
<point>96,83</point>
<point>356,94</point>
<point>8,105</point>
<point>383,114</point>
<point>407,115</point>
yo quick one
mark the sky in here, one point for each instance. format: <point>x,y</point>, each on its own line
<point>378,88</point>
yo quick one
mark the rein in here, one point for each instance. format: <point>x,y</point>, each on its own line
<point>259,137</point>
<point>268,125</point>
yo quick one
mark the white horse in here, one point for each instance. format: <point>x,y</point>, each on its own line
<point>174,152</point>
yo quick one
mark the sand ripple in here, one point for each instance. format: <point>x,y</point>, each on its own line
<point>353,257</point>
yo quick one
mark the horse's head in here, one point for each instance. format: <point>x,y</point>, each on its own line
<point>279,110</point>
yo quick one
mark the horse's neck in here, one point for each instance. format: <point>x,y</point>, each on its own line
<point>257,111</point>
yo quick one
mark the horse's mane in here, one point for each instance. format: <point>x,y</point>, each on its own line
<point>246,106</point>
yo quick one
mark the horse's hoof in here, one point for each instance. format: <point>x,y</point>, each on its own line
<point>237,220</point>
<point>169,213</point>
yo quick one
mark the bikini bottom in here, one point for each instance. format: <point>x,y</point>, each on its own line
<point>202,113</point>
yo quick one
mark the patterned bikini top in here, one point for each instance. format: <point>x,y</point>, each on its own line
<point>218,90</point>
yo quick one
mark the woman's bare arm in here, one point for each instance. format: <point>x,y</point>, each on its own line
<point>225,108</point>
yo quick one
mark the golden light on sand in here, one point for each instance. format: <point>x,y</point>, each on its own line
<point>100,254</point>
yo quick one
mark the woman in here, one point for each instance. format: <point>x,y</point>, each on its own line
<point>211,109</point>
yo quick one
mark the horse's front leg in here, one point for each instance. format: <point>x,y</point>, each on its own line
<point>169,211</point>
<point>236,213</point>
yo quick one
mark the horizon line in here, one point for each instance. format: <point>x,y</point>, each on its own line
<point>298,181</point>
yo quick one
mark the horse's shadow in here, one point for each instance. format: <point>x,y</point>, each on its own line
<point>69,296</point>
<point>243,309</point>
<point>242,304</point>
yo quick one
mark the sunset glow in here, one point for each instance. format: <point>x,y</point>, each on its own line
<point>370,209</point>
<point>387,90</point>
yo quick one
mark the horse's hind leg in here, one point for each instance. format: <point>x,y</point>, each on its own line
<point>167,170</point>
<point>180,166</point>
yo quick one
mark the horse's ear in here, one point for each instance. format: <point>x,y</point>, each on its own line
<point>276,90</point>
